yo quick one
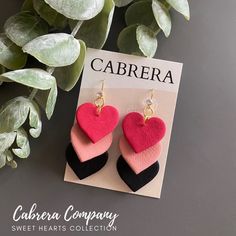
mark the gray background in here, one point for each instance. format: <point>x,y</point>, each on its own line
<point>199,192</point>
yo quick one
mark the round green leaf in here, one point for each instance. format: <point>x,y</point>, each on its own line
<point>3,159</point>
<point>99,26</point>
<point>2,70</point>
<point>47,100</point>
<point>181,6</point>
<point>67,77</point>
<point>122,3</point>
<point>12,164</point>
<point>27,5</point>
<point>6,140</point>
<point>127,42</point>
<point>13,114</point>
<point>50,15</point>
<point>141,13</point>
<point>51,101</point>
<point>23,143</point>
<point>54,50</point>
<point>35,78</point>
<point>34,119</point>
<point>7,158</point>
<point>162,16</point>
<point>146,40</point>
<point>77,9</point>
<point>23,27</point>
<point>11,56</point>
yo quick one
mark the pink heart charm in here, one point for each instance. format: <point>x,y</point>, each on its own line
<point>142,134</point>
<point>139,162</point>
<point>84,148</point>
<point>94,124</point>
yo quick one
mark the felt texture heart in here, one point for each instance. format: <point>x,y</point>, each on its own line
<point>139,161</point>
<point>142,134</point>
<point>87,168</point>
<point>135,182</point>
<point>95,124</point>
<point>83,146</point>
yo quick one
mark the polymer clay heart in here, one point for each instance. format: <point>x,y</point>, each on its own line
<point>94,124</point>
<point>83,146</point>
<point>87,168</point>
<point>142,134</point>
<point>135,182</point>
<point>139,161</point>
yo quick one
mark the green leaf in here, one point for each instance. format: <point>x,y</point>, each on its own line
<point>6,140</point>
<point>99,25</point>
<point>2,70</point>
<point>3,159</point>
<point>9,155</point>
<point>50,15</point>
<point>27,5</point>
<point>141,13</point>
<point>24,27</point>
<point>77,9</point>
<point>67,77</point>
<point>51,101</point>
<point>137,40</point>
<point>54,50</point>
<point>12,164</point>
<point>7,158</point>
<point>22,142</point>
<point>11,56</point>
<point>35,78</point>
<point>181,6</point>
<point>162,17</point>
<point>13,114</point>
<point>122,3</point>
<point>146,40</point>
<point>127,42</point>
<point>34,120</point>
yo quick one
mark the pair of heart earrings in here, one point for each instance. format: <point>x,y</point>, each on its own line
<point>91,137</point>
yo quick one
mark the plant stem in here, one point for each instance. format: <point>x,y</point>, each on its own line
<point>33,93</point>
<point>50,70</point>
<point>157,32</point>
<point>76,28</point>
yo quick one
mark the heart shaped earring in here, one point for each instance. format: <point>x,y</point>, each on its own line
<point>91,136</point>
<point>140,146</point>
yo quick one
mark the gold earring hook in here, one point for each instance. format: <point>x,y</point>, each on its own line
<point>152,94</point>
<point>103,82</point>
<point>148,109</point>
<point>100,100</point>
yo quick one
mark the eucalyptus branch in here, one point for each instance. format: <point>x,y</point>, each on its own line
<point>27,33</point>
<point>145,20</point>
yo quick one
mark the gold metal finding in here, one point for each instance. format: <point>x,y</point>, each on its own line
<point>100,100</point>
<point>148,109</point>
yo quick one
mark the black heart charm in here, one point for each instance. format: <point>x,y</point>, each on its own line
<point>87,168</point>
<point>136,181</point>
